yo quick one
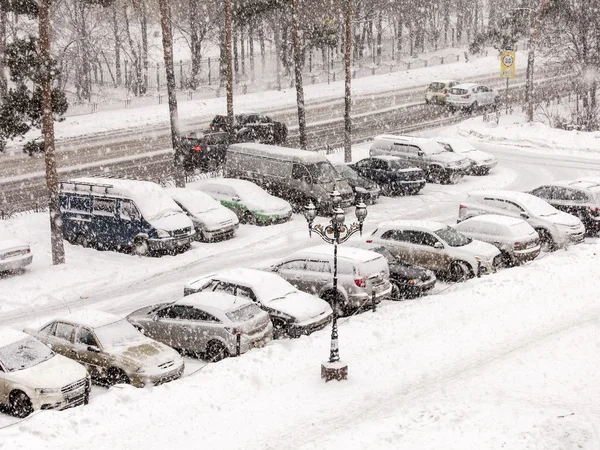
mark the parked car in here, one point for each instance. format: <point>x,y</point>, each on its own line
<point>471,96</point>
<point>253,127</point>
<point>365,191</point>
<point>407,280</point>
<point>436,246</point>
<point>249,202</point>
<point>360,273</point>
<point>14,253</point>
<point>297,176</point>
<point>208,323</point>
<point>111,349</point>
<point>440,165</point>
<point>113,213</point>
<point>580,198</point>
<point>33,377</point>
<point>212,221</point>
<point>481,162</point>
<point>517,241</point>
<point>205,150</point>
<point>436,91</point>
<point>293,312</point>
<point>392,174</point>
<point>555,228</point>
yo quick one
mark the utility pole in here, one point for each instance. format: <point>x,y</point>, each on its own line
<point>533,32</point>
<point>348,91</point>
<point>298,74</point>
<point>56,238</point>
<point>167,41</point>
<point>229,58</point>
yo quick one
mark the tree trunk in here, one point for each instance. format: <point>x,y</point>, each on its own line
<point>251,50</point>
<point>242,50</point>
<point>379,36</point>
<point>115,27</point>
<point>56,238</point>
<point>167,41</point>
<point>144,30</point>
<point>298,75</point>
<point>399,37</point>
<point>347,84</point>
<point>236,62</point>
<point>229,65</point>
<point>3,81</point>
<point>261,39</point>
<point>194,43</point>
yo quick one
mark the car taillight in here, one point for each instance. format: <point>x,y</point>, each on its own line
<point>360,282</point>
<point>369,241</point>
<point>466,96</point>
<point>234,331</point>
<point>594,210</point>
<point>197,148</point>
<point>28,250</point>
<point>519,245</point>
<point>446,91</point>
<point>461,207</point>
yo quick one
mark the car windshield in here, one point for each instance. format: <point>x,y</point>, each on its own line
<point>244,314</point>
<point>452,237</point>
<point>435,148</point>
<point>398,164</point>
<point>24,354</point>
<point>197,202</point>
<point>252,193</point>
<point>384,252</point>
<point>117,334</point>
<point>346,172</point>
<point>458,146</point>
<point>273,287</point>
<point>538,207</point>
<point>436,86</point>
<point>322,172</point>
<point>458,91</point>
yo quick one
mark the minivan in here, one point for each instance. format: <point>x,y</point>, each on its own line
<point>116,213</point>
<point>440,165</point>
<point>298,176</point>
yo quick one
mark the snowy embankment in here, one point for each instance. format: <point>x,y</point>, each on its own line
<point>505,361</point>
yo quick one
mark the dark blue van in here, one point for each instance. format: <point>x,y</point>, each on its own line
<point>115,213</point>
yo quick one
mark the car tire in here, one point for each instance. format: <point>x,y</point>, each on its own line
<point>459,271</point>
<point>505,260</point>
<point>20,404</point>
<point>248,218</point>
<point>546,242</point>
<point>279,328</point>
<point>140,246</point>
<point>474,107</point>
<point>117,376</point>
<point>397,293</point>
<point>216,351</point>
<point>436,175</point>
<point>386,190</point>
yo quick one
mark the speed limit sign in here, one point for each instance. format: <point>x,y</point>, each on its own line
<point>507,64</point>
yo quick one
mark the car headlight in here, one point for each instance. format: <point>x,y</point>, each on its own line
<point>162,234</point>
<point>361,190</point>
<point>46,391</point>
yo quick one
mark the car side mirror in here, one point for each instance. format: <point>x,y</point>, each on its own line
<point>93,348</point>
<point>438,245</point>
<point>420,153</point>
<point>524,216</point>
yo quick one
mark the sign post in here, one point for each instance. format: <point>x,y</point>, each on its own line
<point>507,66</point>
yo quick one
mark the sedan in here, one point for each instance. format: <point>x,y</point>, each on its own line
<point>481,162</point>
<point>112,350</point>
<point>14,253</point>
<point>214,324</point>
<point>212,221</point>
<point>33,377</point>
<point>392,174</point>
<point>365,191</point>
<point>471,96</point>
<point>252,204</point>
<point>293,312</point>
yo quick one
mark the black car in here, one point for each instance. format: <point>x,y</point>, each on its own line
<point>365,191</point>
<point>252,127</point>
<point>392,174</point>
<point>580,198</point>
<point>204,150</point>
<point>407,280</point>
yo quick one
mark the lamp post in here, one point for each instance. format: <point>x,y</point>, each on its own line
<point>335,232</point>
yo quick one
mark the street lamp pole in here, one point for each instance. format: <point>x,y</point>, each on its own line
<point>336,232</point>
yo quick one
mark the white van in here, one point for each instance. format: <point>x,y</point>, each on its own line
<point>297,176</point>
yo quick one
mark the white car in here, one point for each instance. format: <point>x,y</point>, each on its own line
<point>111,348</point>
<point>212,220</point>
<point>437,90</point>
<point>293,312</point>
<point>33,377</point>
<point>14,253</point>
<point>471,96</point>
<point>516,239</point>
<point>481,162</point>
<point>436,246</point>
<point>555,228</point>
<point>251,203</point>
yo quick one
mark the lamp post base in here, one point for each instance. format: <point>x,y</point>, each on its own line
<point>334,371</point>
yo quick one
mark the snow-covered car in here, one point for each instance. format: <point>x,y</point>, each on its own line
<point>214,324</point>
<point>436,246</point>
<point>471,96</point>
<point>481,162</point>
<point>14,253</point>
<point>365,191</point>
<point>555,228</point>
<point>517,241</point>
<point>251,203</point>
<point>212,220</point>
<point>33,377</point>
<point>293,312</point>
<point>437,90</point>
<point>111,349</point>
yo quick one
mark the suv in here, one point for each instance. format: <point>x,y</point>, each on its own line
<point>360,274</point>
<point>436,92</point>
<point>394,175</point>
<point>204,150</point>
<point>471,96</point>
<point>579,197</point>
<point>440,165</point>
<point>253,127</point>
<point>436,246</point>
<point>555,228</point>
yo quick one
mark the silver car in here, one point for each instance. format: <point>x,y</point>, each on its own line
<point>14,253</point>
<point>111,349</point>
<point>211,323</point>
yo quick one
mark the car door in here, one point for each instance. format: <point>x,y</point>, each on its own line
<point>202,327</point>
<point>107,229</point>
<point>292,271</point>
<point>4,387</point>
<point>363,168</point>
<point>317,274</point>
<point>562,199</point>
<point>130,223</point>
<point>424,253</point>
<point>393,240</point>
<point>60,338</point>
<point>170,327</point>
<point>89,352</point>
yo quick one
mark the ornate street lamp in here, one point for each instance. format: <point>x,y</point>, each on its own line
<point>336,232</point>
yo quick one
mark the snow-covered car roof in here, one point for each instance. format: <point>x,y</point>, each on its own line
<point>412,224</point>
<point>89,317</point>
<point>9,336</point>
<point>233,182</point>
<point>354,253</point>
<point>590,184</point>
<point>293,154</point>
<point>187,196</point>
<point>458,143</point>
<point>217,301</point>
<point>495,219</point>
<point>386,157</point>
<point>511,195</point>
<point>466,86</point>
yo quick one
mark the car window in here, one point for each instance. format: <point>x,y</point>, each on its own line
<point>245,292</point>
<point>390,235</point>
<point>378,164</point>
<point>299,172</point>
<point>180,312</point>
<point>580,196</point>
<point>199,315</point>
<point>512,207</point>
<point>420,238</point>
<point>544,192</point>
<point>64,331</point>
<point>49,329</point>
<point>128,211</point>
<point>228,288</point>
<point>297,264</point>
<point>80,204</point>
<point>104,206</point>
<point>318,266</point>
<point>85,337</point>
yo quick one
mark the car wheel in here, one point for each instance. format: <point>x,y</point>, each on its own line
<point>279,329</point>
<point>386,190</point>
<point>546,241</point>
<point>20,404</point>
<point>504,261</point>
<point>436,175</point>
<point>459,271</point>
<point>140,246</point>
<point>249,218</point>
<point>397,293</point>
<point>474,106</point>
<point>216,351</point>
<point>427,102</point>
<point>117,376</point>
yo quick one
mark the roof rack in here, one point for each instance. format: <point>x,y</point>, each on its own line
<point>91,186</point>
